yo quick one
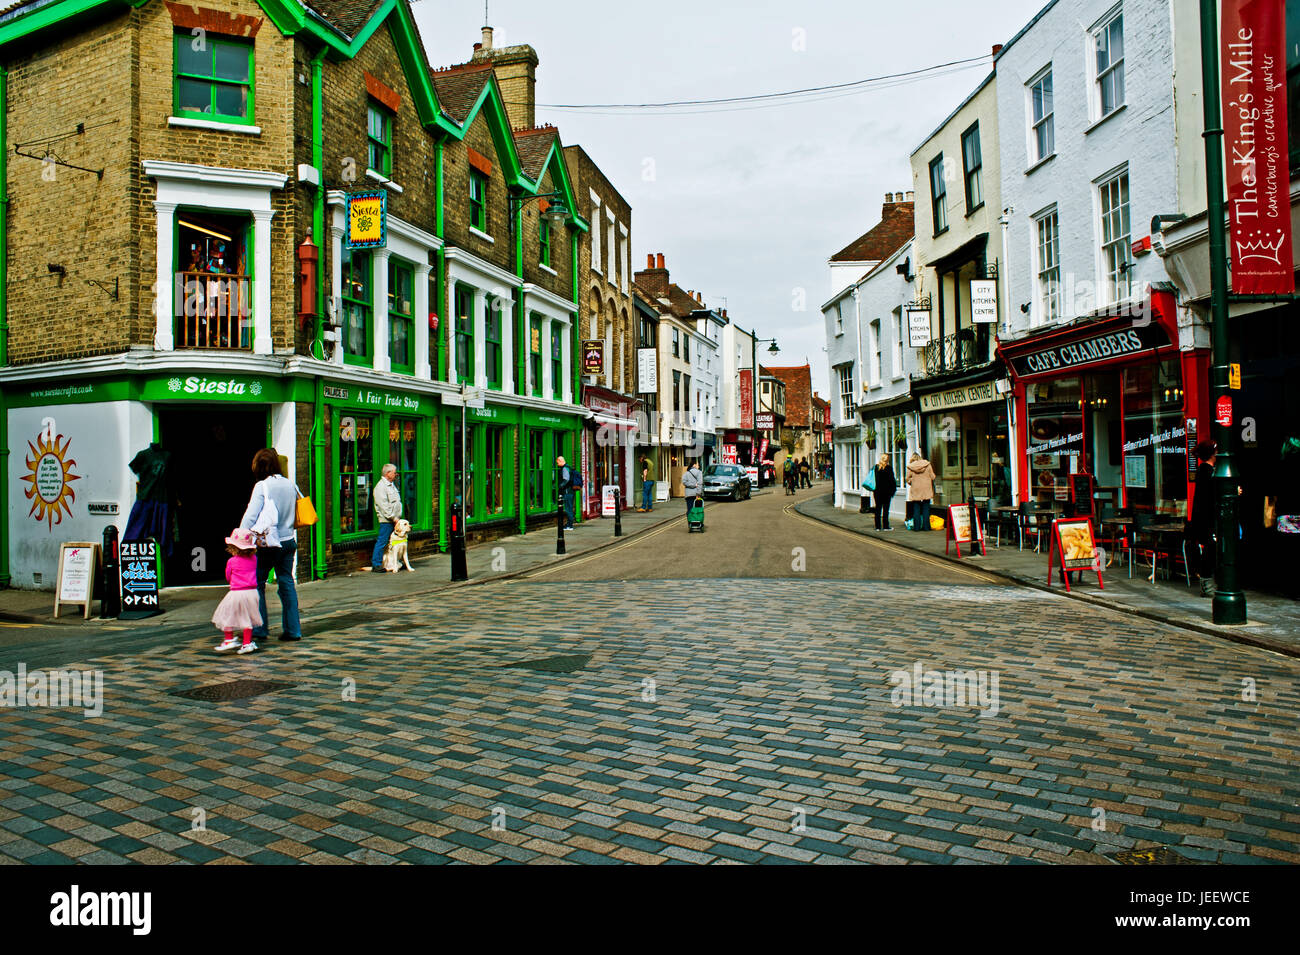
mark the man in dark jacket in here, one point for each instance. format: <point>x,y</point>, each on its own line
<point>1200,528</point>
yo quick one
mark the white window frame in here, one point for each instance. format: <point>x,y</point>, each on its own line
<point>839,319</point>
<point>897,356</point>
<point>877,354</point>
<point>1114,67</point>
<point>595,232</point>
<point>1122,242</point>
<point>1047,308</point>
<point>1047,120</point>
<point>848,402</point>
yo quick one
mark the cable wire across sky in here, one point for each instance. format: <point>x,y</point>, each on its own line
<point>761,100</point>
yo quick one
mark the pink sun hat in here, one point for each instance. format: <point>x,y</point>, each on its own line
<point>243,539</point>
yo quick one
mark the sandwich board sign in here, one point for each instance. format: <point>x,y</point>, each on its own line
<point>78,563</point>
<point>1075,549</point>
<point>138,567</point>
<point>963,527</point>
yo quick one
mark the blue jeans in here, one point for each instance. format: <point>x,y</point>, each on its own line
<point>647,490</point>
<point>920,515</point>
<point>381,543</point>
<point>280,558</point>
<point>568,509</point>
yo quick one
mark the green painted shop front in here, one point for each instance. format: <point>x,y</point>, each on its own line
<point>370,428</point>
<point>511,453</point>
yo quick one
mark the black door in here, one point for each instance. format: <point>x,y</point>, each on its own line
<point>211,475</point>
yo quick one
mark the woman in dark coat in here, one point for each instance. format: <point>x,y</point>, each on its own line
<point>886,485</point>
<point>1200,528</point>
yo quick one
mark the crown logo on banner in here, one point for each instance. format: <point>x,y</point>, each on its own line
<point>1265,248</point>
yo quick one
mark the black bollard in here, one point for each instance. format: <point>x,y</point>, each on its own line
<point>559,529</point>
<point>110,602</point>
<point>459,567</point>
<point>618,514</point>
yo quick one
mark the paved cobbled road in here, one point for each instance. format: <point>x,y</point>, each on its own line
<point>752,718</point>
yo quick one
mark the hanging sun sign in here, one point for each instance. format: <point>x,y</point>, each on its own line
<point>367,220</point>
<point>1255,146</point>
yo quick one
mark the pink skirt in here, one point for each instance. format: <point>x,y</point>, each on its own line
<point>238,610</point>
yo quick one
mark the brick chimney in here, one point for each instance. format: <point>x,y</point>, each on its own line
<point>654,278</point>
<point>516,70</point>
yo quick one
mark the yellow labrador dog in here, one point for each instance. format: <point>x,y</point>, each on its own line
<point>395,553</point>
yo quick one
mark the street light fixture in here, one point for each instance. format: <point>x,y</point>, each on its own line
<point>556,212</point>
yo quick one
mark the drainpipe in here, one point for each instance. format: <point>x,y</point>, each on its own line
<point>440,354</point>
<point>1004,273</point>
<point>519,322</point>
<point>319,444</point>
<point>573,355</point>
<point>4,324</point>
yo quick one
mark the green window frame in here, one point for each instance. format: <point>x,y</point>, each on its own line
<point>458,453</point>
<point>354,470</point>
<point>535,353</point>
<point>537,471</point>
<point>404,453</point>
<point>212,78</point>
<point>464,334</point>
<point>544,241</point>
<point>358,307</point>
<point>478,186</point>
<point>495,498</point>
<point>557,361</point>
<point>401,316</point>
<point>492,346</point>
<point>379,138</point>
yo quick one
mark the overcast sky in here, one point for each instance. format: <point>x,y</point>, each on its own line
<point>746,204</point>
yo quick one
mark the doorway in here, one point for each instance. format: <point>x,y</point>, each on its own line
<point>211,455</point>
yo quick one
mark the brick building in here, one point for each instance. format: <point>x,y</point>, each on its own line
<point>211,288</point>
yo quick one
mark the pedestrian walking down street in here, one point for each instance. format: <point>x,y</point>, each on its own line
<point>886,485</point>
<point>647,486</point>
<point>274,501</point>
<point>238,608</point>
<point>692,484</point>
<point>568,484</point>
<point>787,476</point>
<point>805,473</point>
<point>1199,533</point>
<point>388,508</point>
<point>920,490</point>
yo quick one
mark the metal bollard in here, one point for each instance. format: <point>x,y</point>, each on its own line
<point>618,513</point>
<point>559,528</point>
<point>110,601</point>
<point>459,566</point>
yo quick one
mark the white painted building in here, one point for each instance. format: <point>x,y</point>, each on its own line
<point>870,360</point>
<point>1099,111</point>
<point>706,375</point>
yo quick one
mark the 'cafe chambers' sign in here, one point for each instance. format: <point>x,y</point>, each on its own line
<point>1119,344</point>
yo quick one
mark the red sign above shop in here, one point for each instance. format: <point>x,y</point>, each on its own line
<point>1255,127</point>
<point>1223,411</point>
<point>747,399</point>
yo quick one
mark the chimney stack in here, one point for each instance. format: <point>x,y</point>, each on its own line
<point>655,277</point>
<point>516,70</point>
<point>649,260</point>
<point>911,196</point>
<point>997,48</point>
<point>659,261</point>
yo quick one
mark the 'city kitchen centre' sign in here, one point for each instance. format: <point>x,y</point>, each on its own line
<point>977,394</point>
<point>1125,343</point>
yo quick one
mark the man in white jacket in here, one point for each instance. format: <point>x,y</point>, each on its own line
<point>388,508</point>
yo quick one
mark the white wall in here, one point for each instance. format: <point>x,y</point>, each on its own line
<point>101,440</point>
<point>1141,134</point>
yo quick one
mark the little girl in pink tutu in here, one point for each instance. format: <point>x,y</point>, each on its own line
<point>238,610</point>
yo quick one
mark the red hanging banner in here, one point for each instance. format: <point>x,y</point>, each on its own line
<point>1253,42</point>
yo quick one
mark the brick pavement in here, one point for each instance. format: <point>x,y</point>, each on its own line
<point>745,727</point>
<point>1274,621</point>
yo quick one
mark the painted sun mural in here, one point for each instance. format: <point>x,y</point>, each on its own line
<point>50,476</point>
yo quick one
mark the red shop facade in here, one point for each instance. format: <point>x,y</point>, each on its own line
<point>1114,397</point>
<point>608,441</point>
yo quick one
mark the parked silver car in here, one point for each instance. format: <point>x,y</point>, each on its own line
<point>726,480</point>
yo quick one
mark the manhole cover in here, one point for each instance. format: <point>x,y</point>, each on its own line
<point>1156,855</point>
<point>566,664</point>
<point>234,690</point>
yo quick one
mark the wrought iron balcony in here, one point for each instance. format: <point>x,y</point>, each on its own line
<point>952,353</point>
<point>214,310</point>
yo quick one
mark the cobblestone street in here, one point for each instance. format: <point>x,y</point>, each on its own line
<point>652,721</point>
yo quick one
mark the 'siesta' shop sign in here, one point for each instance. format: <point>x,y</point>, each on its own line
<point>1255,144</point>
<point>367,219</point>
<point>1120,344</point>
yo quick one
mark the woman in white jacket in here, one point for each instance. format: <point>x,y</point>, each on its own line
<point>274,495</point>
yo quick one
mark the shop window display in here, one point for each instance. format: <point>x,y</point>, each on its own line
<point>356,466</point>
<point>1155,445</point>
<point>494,499</point>
<point>1055,442</point>
<point>402,452</point>
<point>459,449</point>
<point>216,310</point>
<point>536,469</point>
